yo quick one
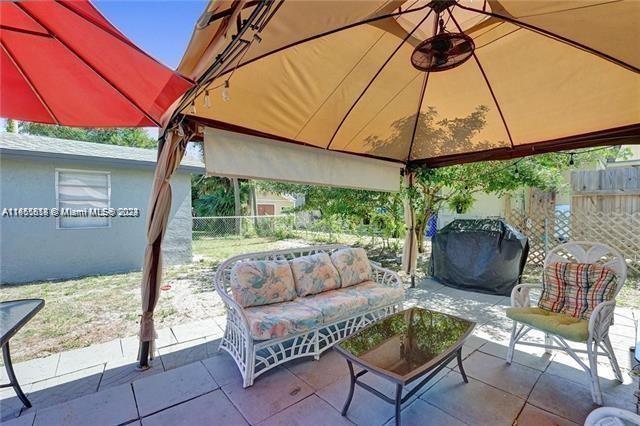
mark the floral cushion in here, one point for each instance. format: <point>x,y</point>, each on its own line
<point>314,274</point>
<point>261,282</point>
<point>335,304</point>
<point>352,265</point>
<point>377,295</point>
<point>587,285</point>
<point>281,319</point>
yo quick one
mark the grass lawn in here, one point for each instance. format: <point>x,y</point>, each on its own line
<point>89,310</point>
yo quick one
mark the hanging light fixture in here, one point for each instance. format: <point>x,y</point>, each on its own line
<point>207,99</point>
<point>445,50</point>
<point>225,91</point>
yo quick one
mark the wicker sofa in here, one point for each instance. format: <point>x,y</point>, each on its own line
<point>269,324</point>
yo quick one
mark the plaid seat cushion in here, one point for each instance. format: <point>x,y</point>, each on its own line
<point>553,288</point>
<point>587,286</point>
<point>575,289</point>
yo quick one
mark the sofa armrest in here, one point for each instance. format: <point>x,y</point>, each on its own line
<point>520,295</point>
<point>385,276</point>
<point>235,312</point>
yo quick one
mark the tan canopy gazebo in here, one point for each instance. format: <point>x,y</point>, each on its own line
<point>415,82</point>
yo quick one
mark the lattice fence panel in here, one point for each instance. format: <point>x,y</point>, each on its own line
<point>620,230</point>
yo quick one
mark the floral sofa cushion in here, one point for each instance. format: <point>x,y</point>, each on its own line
<point>377,295</point>
<point>261,282</point>
<point>314,274</point>
<point>281,319</point>
<point>352,265</point>
<point>335,304</point>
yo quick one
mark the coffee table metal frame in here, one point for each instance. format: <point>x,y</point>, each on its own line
<point>431,368</point>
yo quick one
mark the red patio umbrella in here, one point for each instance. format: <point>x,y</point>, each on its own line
<point>62,62</point>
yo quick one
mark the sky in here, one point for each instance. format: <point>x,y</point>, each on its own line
<point>160,28</point>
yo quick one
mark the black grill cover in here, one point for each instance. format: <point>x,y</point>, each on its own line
<point>484,255</point>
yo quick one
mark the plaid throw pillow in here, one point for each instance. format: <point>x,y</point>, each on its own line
<point>553,288</point>
<point>587,285</point>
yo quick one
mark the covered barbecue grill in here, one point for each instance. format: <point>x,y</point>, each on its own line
<point>483,255</point>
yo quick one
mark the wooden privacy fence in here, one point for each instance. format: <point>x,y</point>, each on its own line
<point>620,230</point>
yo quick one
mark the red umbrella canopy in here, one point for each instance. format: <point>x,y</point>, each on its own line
<point>63,63</point>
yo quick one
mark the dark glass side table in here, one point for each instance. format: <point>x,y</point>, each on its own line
<point>14,314</point>
<point>402,348</point>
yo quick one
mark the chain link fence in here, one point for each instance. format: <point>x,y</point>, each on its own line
<point>291,226</point>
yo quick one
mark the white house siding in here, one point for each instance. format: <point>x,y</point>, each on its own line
<point>33,249</point>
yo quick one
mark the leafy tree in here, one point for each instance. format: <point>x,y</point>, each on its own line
<point>134,137</point>
<point>214,196</point>
<point>11,126</point>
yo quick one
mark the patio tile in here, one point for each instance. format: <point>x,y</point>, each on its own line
<point>131,344</point>
<point>429,284</point>
<point>223,368</point>
<point>562,397</point>
<point>525,355</point>
<point>212,345</point>
<point>472,344</point>
<point>534,416</point>
<point>419,411</point>
<point>515,379</point>
<point>118,373</point>
<point>272,392</point>
<point>211,408</point>
<point>113,406</point>
<point>196,330</point>
<point>90,356</point>
<point>33,370</point>
<point>160,391</point>
<point>310,411</point>
<point>10,405</point>
<point>183,353</point>
<point>564,366</point>
<point>498,331</point>
<point>26,419</point>
<point>474,402</point>
<point>319,374</point>
<point>65,388</point>
<point>366,408</point>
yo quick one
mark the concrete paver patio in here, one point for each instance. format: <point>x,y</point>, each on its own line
<point>192,383</point>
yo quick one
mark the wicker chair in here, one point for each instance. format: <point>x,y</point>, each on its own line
<point>597,341</point>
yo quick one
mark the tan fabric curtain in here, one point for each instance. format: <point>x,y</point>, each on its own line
<point>410,249</point>
<point>157,218</point>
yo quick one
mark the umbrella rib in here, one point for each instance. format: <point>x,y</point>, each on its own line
<point>554,36</point>
<point>23,31</point>
<point>84,61</point>
<point>29,82</point>
<point>486,80</point>
<point>404,40</point>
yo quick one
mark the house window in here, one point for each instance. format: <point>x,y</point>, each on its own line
<point>80,194</point>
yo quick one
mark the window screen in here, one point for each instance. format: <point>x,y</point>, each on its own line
<point>78,192</point>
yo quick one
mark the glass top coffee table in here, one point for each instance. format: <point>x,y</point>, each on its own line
<point>412,344</point>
